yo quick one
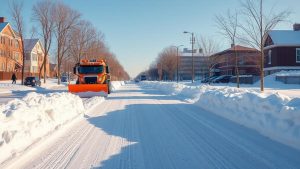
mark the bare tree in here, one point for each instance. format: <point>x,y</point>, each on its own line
<point>208,47</point>
<point>65,20</point>
<point>43,15</point>
<point>16,10</point>
<point>81,36</point>
<point>228,25</point>
<point>257,25</point>
<point>168,62</point>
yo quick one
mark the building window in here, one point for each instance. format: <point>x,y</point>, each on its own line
<point>34,57</point>
<point>16,56</point>
<point>2,66</point>
<point>298,55</point>
<point>2,40</point>
<point>270,57</point>
<point>16,44</point>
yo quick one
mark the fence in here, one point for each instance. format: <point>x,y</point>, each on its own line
<point>248,79</point>
<point>288,79</point>
<point>7,75</point>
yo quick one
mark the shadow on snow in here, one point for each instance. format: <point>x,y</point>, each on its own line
<point>186,136</point>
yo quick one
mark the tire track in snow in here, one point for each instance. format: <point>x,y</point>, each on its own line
<point>144,129</point>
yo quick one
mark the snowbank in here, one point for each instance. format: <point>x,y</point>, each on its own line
<point>288,73</point>
<point>116,84</point>
<point>25,121</point>
<point>274,115</point>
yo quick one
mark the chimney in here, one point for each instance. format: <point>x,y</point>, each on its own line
<point>2,19</point>
<point>296,27</point>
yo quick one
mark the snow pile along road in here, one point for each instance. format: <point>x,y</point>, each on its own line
<point>116,84</point>
<point>275,116</point>
<point>25,121</point>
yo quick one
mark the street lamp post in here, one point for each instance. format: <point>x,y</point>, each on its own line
<point>192,41</point>
<point>177,48</point>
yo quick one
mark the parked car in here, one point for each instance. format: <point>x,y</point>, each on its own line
<point>64,79</point>
<point>205,80</point>
<point>222,79</point>
<point>32,81</point>
<point>209,79</point>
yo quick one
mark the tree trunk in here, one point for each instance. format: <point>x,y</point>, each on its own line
<point>262,55</point>
<point>23,61</point>
<point>237,69</point>
<point>45,61</point>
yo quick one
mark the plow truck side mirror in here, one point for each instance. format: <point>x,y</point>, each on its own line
<point>75,70</point>
<point>107,69</point>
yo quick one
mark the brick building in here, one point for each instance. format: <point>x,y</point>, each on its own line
<point>224,62</point>
<point>10,51</point>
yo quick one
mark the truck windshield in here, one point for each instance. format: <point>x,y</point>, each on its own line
<point>90,69</point>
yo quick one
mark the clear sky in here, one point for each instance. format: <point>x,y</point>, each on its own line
<point>137,30</point>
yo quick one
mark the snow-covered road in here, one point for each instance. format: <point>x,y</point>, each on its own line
<point>137,128</point>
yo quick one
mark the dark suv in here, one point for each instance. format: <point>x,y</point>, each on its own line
<point>33,81</point>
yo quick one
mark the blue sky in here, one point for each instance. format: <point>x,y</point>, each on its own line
<point>137,30</point>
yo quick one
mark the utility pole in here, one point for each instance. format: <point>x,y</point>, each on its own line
<point>192,41</point>
<point>193,66</point>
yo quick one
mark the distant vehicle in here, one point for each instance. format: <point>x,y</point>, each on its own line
<point>64,79</point>
<point>143,77</point>
<point>222,79</point>
<point>32,81</point>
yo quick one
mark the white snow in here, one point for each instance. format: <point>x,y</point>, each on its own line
<point>142,128</point>
<point>288,73</point>
<point>116,84</point>
<point>274,115</point>
<point>285,37</point>
<point>25,121</point>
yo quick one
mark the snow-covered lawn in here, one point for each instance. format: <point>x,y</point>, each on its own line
<point>26,120</point>
<point>272,86</point>
<point>7,87</point>
<point>273,114</point>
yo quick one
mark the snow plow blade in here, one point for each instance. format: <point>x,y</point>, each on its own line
<point>78,88</point>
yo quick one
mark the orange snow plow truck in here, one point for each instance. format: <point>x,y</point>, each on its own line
<point>93,76</point>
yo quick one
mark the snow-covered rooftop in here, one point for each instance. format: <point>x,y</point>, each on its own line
<point>285,37</point>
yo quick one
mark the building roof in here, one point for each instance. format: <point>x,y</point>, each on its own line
<point>29,44</point>
<point>3,25</point>
<point>238,48</point>
<point>285,37</point>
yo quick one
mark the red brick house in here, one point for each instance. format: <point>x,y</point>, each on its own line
<point>10,51</point>
<point>282,50</point>
<point>223,63</point>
